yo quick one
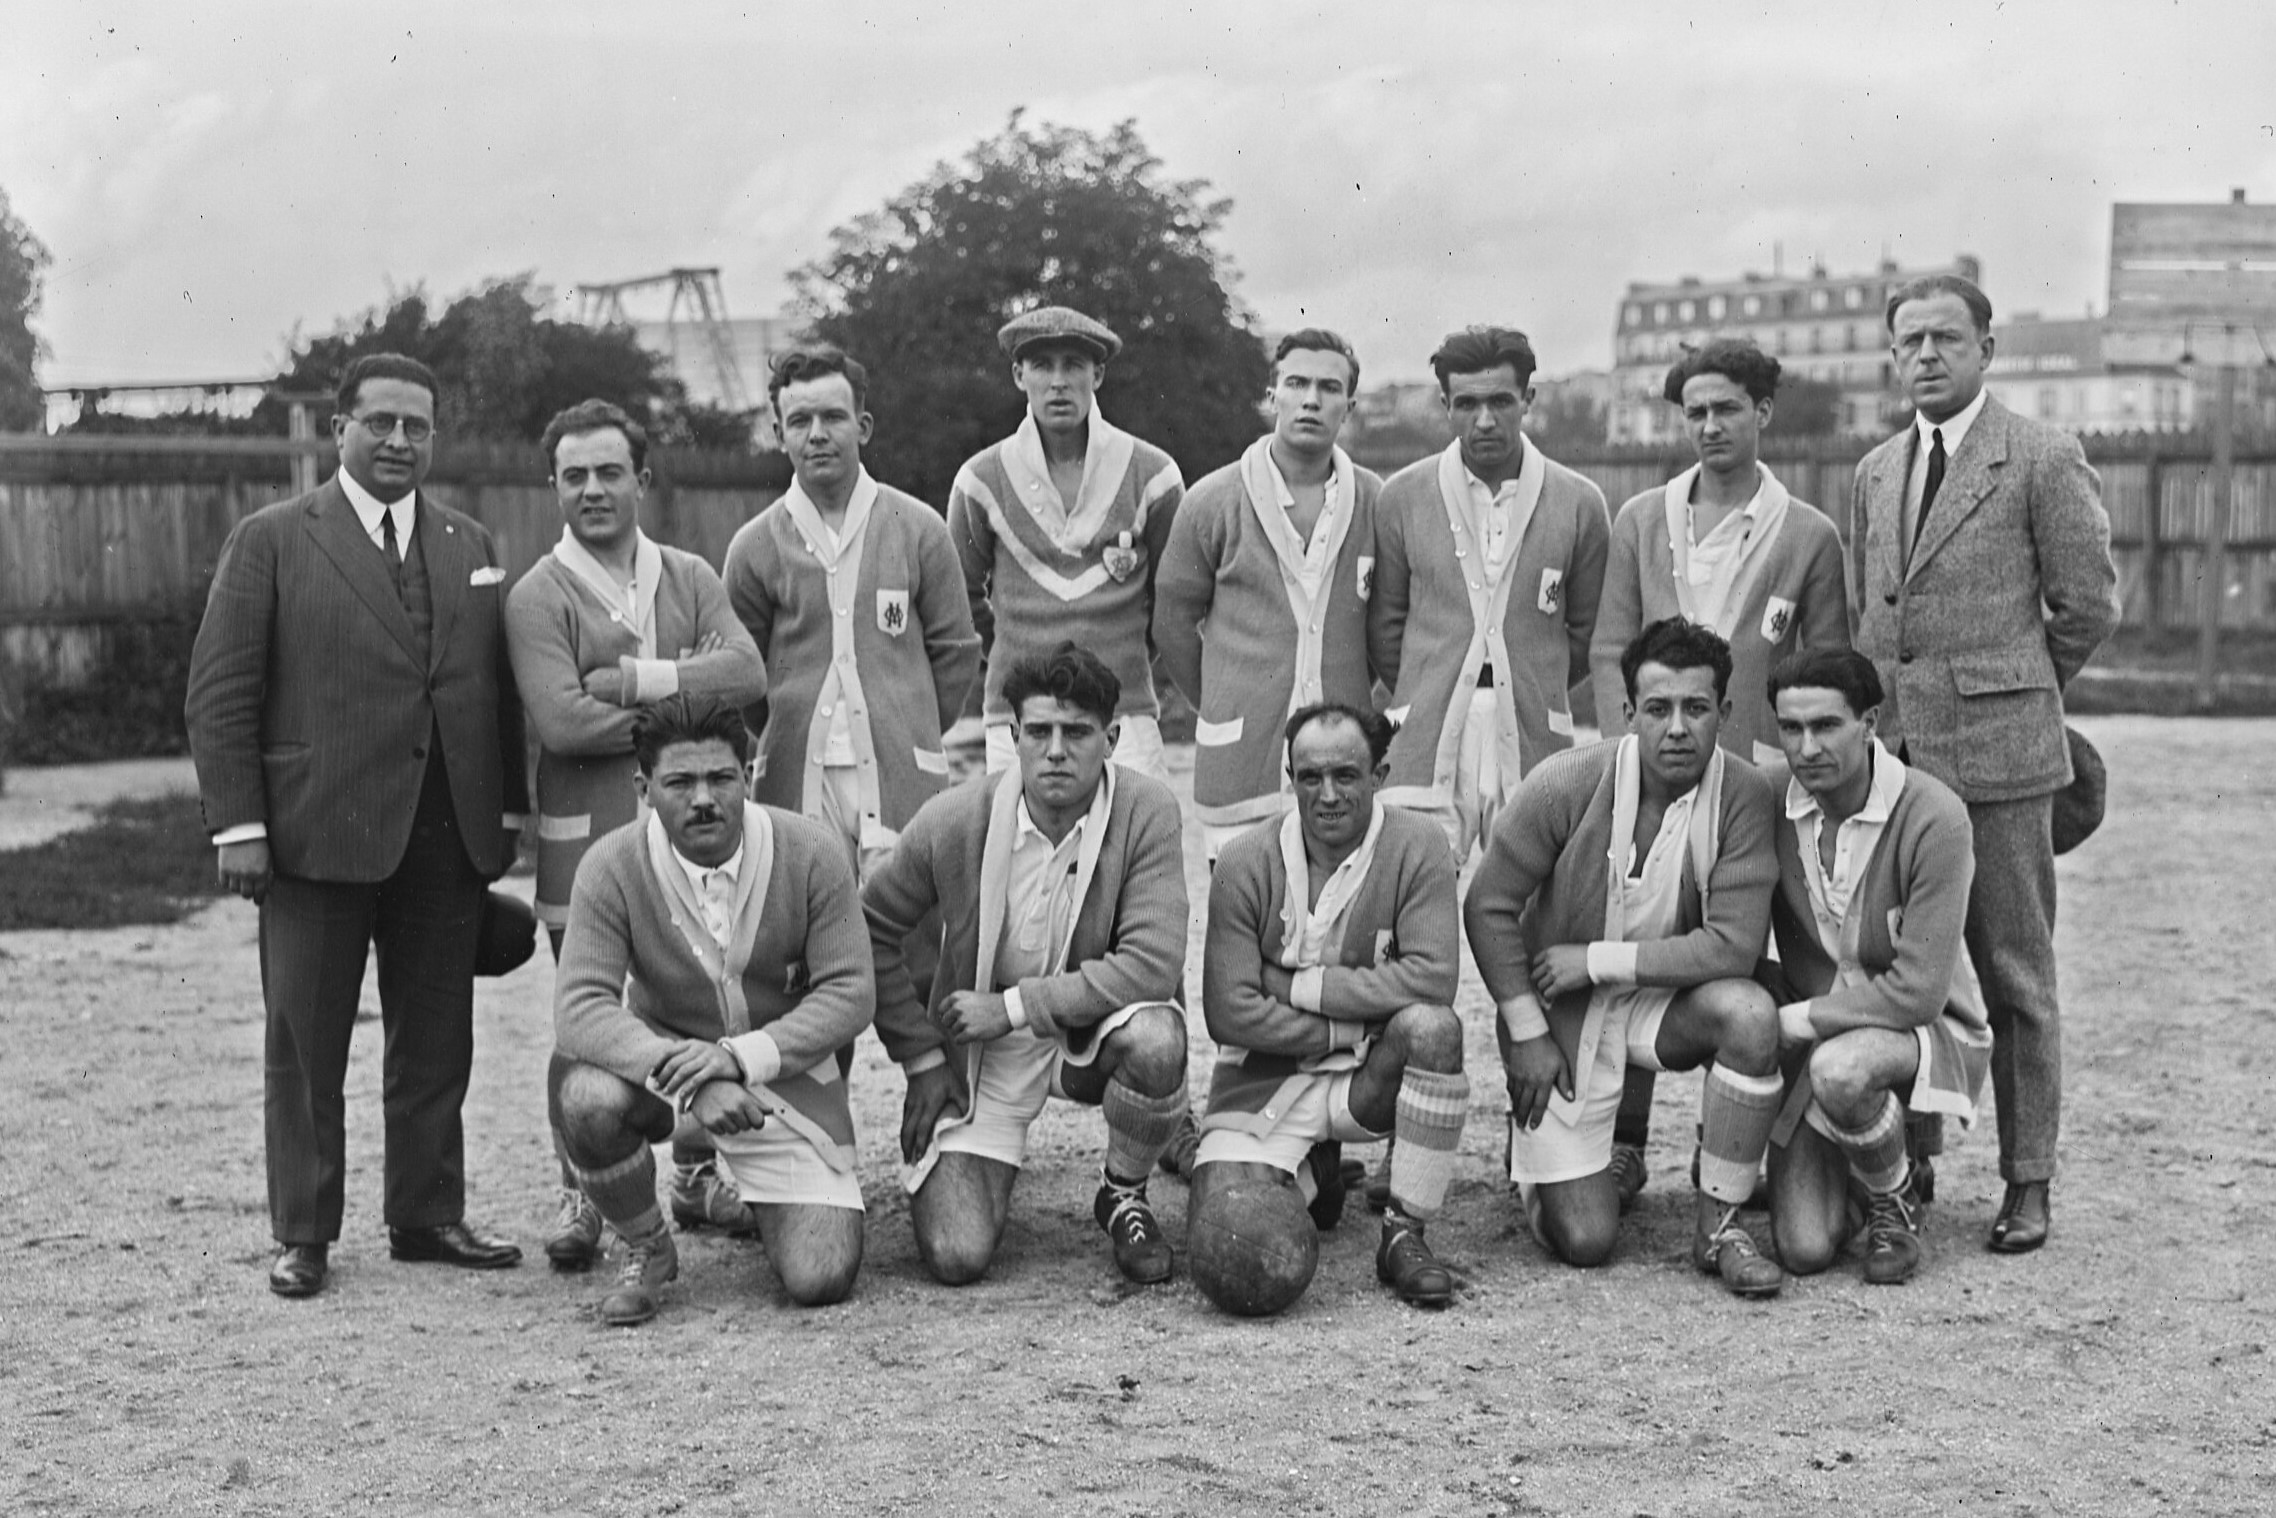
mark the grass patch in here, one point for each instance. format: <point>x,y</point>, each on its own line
<point>146,861</point>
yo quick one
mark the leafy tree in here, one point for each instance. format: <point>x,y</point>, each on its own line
<point>23,257</point>
<point>1036,216</point>
<point>505,368</point>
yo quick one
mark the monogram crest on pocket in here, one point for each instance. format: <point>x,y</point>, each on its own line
<point>893,612</point>
<point>1120,558</point>
<point>794,981</point>
<point>1552,591</point>
<point>1366,576</point>
<point>1777,619</point>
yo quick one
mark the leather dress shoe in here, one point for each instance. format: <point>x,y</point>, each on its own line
<point>299,1269</point>
<point>453,1244</point>
<point>2023,1221</point>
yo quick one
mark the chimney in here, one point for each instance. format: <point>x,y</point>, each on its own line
<point>2236,196</point>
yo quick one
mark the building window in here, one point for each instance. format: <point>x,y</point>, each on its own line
<point>2050,402</point>
<point>1685,310</point>
<point>1717,308</point>
<point>1817,337</point>
<point>1659,311</point>
<point>1751,306</point>
<point>1818,300</point>
<point>1633,316</point>
<point>1853,297</point>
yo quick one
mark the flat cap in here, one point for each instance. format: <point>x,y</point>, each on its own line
<point>2079,805</point>
<point>1058,324</point>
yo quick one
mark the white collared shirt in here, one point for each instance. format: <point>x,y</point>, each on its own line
<point>369,509</point>
<point>1854,843</point>
<point>1955,430</point>
<point>1314,567</point>
<point>1039,905</point>
<point>1493,507</point>
<point>718,904</point>
<point>1709,556</point>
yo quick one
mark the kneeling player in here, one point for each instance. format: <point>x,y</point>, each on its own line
<point>1879,1007</point>
<point>1626,890</point>
<point>714,963</point>
<point>1061,889</point>
<point>1329,984</point>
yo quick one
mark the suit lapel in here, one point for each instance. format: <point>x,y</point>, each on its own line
<point>340,533</point>
<point>446,575</point>
<point>1975,470</point>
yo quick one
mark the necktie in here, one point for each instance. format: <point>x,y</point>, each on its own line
<point>1930,485</point>
<point>393,550</point>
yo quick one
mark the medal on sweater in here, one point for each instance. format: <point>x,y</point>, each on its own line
<point>893,612</point>
<point>1120,558</point>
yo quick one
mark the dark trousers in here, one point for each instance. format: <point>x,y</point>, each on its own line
<point>424,921</point>
<point>2011,938</point>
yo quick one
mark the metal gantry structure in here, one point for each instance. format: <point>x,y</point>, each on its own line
<point>697,301</point>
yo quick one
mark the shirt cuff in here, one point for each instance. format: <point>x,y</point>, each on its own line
<point>931,1059</point>
<point>1523,1018</point>
<point>1794,1022</point>
<point>1612,964</point>
<point>1013,1009</point>
<point>244,832</point>
<point>1343,1035</point>
<point>648,680</point>
<point>761,1056</point>
<point>1305,991</point>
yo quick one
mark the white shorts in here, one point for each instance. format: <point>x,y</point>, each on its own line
<point>866,848</point>
<point>1319,1109</point>
<point>1480,787</point>
<point>1139,748</point>
<point>1562,1150</point>
<point>778,1165</point>
<point>1018,1074</point>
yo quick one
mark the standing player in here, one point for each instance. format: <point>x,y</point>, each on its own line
<point>1878,1004</point>
<point>1261,604</point>
<point>1061,893</point>
<point>1725,546</point>
<point>1329,986</point>
<point>714,964</point>
<point>1617,918</point>
<point>1060,528</point>
<point>853,592</point>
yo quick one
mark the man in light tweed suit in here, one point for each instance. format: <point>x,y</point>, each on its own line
<point>1980,563</point>
<point>359,751</point>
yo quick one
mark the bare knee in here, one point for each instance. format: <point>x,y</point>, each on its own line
<point>595,1110</point>
<point>1842,1085</point>
<point>1803,1249</point>
<point>1149,1051</point>
<point>1745,1024</point>
<point>822,1275</point>
<point>1585,1244</point>
<point>955,1258</point>
<point>1579,1227</point>
<point>1431,1035</point>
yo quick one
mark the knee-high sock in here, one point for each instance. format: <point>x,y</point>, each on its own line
<point>1428,1125</point>
<point>625,1193</point>
<point>1138,1129</point>
<point>1736,1114</point>
<point>1877,1150</point>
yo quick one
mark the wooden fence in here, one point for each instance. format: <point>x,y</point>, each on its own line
<point>96,533</point>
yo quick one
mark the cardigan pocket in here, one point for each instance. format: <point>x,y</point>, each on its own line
<point>931,761</point>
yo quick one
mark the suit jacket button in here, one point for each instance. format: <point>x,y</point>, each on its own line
<point>1905,657</point>
<point>420,753</point>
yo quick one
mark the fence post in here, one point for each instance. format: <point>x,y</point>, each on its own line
<point>2215,561</point>
<point>2153,541</point>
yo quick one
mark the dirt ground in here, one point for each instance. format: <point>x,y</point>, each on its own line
<point>144,1366</point>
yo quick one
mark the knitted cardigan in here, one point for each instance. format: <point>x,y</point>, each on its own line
<point>1799,601</point>
<point>639,970</point>
<point>1129,934</point>
<point>1542,882</point>
<point>1228,636</point>
<point>1400,947</point>
<point>1027,593</point>
<point>914,651</point>
<point>1420,628</point>
<point>558,632</point>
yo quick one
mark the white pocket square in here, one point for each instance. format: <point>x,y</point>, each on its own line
<point>488,574</point>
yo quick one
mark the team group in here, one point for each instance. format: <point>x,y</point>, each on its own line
<point>750,847</point>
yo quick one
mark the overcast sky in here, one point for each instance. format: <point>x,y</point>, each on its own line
<point>210,177</point>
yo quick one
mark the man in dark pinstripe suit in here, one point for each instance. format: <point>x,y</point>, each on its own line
<point>359,752</point>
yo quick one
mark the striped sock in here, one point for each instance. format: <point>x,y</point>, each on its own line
<point>1877,1150</point>
<point>1139,1127</point>
<point>1428,1125</point>
<point>625,1193</point>
<point>1736,1114</point>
